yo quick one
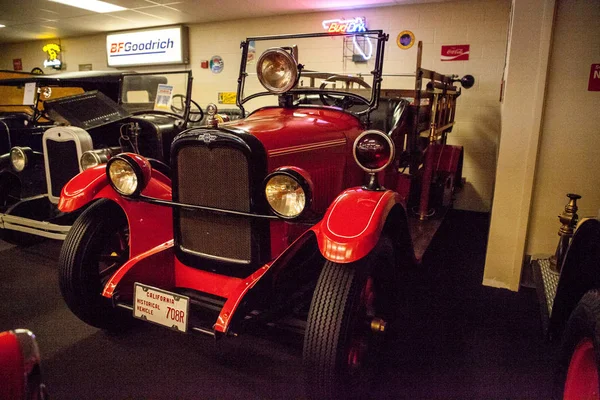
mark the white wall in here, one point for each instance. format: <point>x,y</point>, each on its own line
<point>482,24</point>
<point>570,142</point>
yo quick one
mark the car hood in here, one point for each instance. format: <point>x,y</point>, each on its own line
<point>285,129</point>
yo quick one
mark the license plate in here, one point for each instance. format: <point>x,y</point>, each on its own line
<point>161,307</point>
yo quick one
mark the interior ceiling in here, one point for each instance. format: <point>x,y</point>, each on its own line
<point>27,20</point>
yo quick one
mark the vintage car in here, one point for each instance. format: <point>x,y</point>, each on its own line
<point>300,215</point>
<point>54,126</point>
<point>20,371</point>
<point>568,286</point>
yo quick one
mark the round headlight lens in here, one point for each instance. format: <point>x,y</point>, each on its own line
<point>18,158</point>
<point>123,177</point>
<point>277,70</point>
<point>285,195</point>
<point>89,160</point>
<point>373,151</point>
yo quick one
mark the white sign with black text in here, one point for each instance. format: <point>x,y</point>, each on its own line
<point>148,47</point>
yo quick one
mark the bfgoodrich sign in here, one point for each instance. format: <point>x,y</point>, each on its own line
<point>148,47</point>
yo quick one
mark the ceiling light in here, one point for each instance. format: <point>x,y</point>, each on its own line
<point>2,26</point>
<point>92,5</point>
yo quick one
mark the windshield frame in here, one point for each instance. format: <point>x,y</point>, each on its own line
<point>371,103</point>
<point>188,94</point>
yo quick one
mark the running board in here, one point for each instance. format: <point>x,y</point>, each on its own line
<point>34,227</point>
<point>546,283</point>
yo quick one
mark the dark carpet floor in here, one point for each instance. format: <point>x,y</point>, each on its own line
<point>459,340</point>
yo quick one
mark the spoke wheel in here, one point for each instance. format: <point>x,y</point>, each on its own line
<point>95,247</point>
<point>578,372</point>
<point>341,346</point>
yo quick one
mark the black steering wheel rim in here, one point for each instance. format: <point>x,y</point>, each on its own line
<point>345,101</point>
<point>178,110</point>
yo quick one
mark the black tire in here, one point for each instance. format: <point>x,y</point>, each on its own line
<point>582,332</point>
<point>337,320</point>
<point>94,248</point>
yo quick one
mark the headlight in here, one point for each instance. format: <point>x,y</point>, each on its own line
<point>128,173</point>
<point>92,158</point>
<point>277,70</point>
<point>18,158</point>
<point>288,192</point>
<point>373,151</point>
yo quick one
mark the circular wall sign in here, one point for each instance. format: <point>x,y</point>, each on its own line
<point>216,64</point>
<point>405,40</point>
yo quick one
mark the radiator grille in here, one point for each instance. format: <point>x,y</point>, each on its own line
<point>214,177</point>
<point>62,162</point>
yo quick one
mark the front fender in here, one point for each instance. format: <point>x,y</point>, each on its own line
<point>580,272</point>
<point>353,223</point>
<point>86,187</point>
<point>149,224</point>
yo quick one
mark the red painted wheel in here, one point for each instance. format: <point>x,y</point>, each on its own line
<point>346,323</point>
<point>581,344</point>
<point>582,377</point>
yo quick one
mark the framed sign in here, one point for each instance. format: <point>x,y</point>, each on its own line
<point>457,52</point>
<point>154,46</point>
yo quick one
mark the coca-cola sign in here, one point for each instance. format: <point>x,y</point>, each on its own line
<point>457,52</point>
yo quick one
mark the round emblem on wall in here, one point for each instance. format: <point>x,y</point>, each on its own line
<point>216,64</point>
<point>405,40</point>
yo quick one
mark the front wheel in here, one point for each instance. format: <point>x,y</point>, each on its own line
<point>95,247</point>
<point>580,350</point>
<point>349,314</point>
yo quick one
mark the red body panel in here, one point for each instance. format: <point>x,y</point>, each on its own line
<point>351,227</point>
<point>12,371</point>
<point>449,159</point>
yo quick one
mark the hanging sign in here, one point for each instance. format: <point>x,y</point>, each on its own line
<point>594,83</point>
<point>52,51</point>
<point>148,47</point>
<point>458,52</point>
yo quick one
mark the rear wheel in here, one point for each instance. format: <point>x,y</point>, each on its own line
<point>348,317</point>
<point>580,350</point>
<point>95,247</point>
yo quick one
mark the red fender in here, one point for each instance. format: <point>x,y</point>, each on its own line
<point>353,223</point>
<point>143,217</point>
<point>12,369</point>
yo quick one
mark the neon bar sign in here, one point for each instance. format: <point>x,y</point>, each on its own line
<point>341,25</point>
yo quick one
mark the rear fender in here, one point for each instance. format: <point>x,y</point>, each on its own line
<point>580,272</point>
<point>149,224</point>
<point>353,223</point>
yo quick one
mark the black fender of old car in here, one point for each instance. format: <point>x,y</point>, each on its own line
<point>580,272</point>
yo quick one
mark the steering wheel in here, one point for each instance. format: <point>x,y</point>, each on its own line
<point>343,102</point>
<point>194,115</point>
